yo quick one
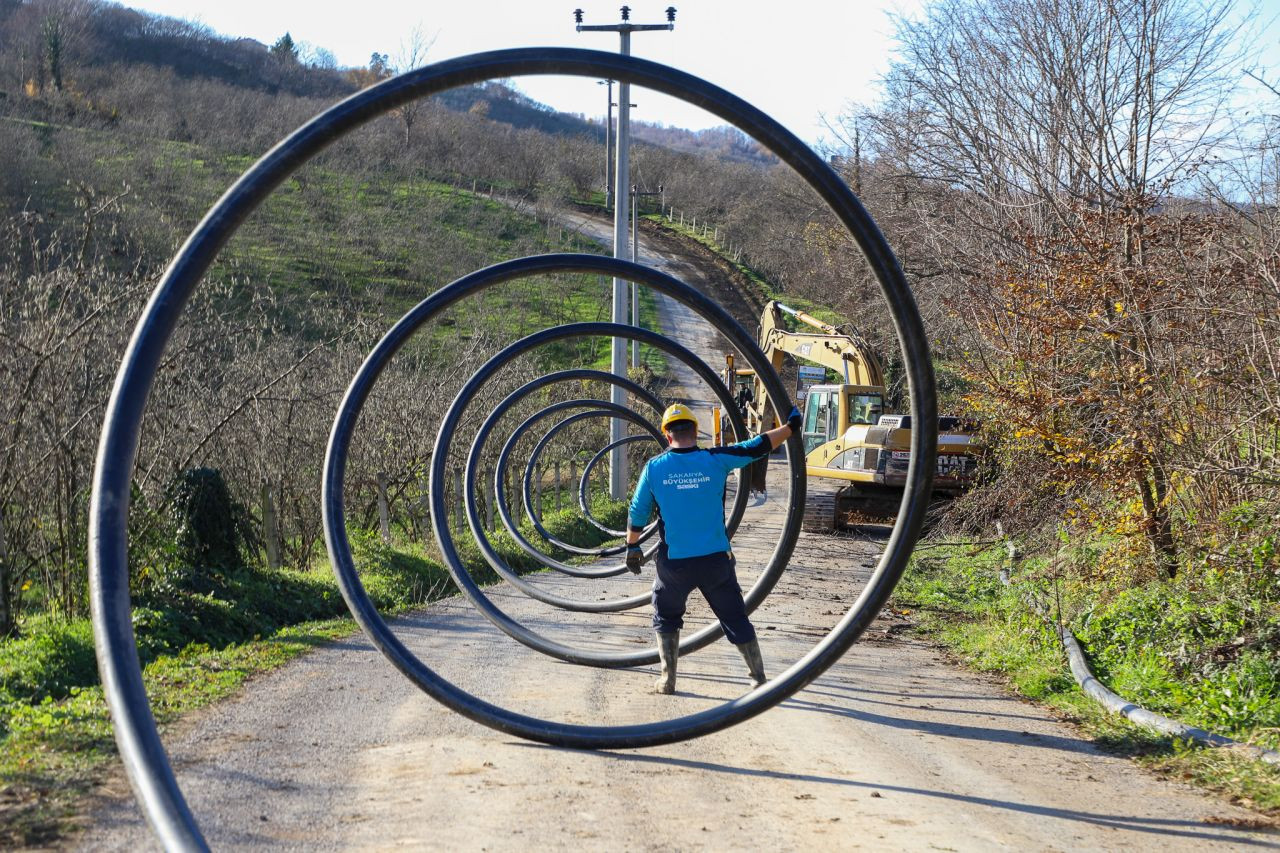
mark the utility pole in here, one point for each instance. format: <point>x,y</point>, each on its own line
<point>622,178</point>
<point>608,147</point>
<point>635,256</point>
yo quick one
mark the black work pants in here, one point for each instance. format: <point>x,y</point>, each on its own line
<point>714,576</point>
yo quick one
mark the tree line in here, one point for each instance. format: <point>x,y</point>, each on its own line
<point>1088,210</point>
<point>1088,226</point>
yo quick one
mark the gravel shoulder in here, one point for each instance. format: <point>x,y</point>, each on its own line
<point>893,748</point>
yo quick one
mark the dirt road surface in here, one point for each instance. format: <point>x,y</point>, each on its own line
<point>892,749</point>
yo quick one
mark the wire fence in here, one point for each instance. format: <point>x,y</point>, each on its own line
<point>710,233</point>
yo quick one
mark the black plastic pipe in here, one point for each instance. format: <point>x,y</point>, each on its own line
<point>141,750</point>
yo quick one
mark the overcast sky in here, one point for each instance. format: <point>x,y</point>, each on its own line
<point>795,61</point>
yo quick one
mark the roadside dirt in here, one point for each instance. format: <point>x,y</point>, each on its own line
<point>683,258</point>
<point>892,749</point>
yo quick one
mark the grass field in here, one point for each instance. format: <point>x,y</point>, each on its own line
<point>953,592</point>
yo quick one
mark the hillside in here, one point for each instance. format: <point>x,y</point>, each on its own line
<point>100,42</point>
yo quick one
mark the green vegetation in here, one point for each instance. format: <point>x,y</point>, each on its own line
<point>55,750</point>
<point>371,238</point>
<point>198,647</point>
<point>1199,650</point>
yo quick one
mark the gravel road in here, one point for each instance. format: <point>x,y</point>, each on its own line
<point>893,748</point>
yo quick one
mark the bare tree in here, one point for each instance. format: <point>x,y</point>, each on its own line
<point>411,54</point>
<point>1022,102</point>
<point>1033,145</point>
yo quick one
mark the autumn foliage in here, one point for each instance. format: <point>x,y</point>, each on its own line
<point>1132,366</point>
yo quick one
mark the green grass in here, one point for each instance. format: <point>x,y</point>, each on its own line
<point>54,752</point>
<point>955,594</point>
<point>55,735</point>
<point>368,240</point>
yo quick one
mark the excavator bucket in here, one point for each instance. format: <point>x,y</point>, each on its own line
<point>756,473</point>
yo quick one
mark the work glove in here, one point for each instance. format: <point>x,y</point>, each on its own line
<point>793,421</point>
<point>634,557</point>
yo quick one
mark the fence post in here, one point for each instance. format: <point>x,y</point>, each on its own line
<point>457,498</point>
<point>424,503</point>
<point>514,501</point>
<point>384,512</point>
<point>489,499</point>
<point>270,531</point>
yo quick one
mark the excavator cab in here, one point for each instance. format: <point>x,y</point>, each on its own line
<point>829,410</point>
<point>818,414</point>
<point>864,408</point>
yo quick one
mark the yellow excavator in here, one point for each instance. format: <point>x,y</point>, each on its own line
<point>856,452</point>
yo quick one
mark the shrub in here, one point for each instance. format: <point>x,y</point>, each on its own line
<point>394,578</point>
<point>52,658</point>
<point>208,529</point>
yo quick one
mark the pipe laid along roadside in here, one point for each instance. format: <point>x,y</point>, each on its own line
<point>1115,703</point>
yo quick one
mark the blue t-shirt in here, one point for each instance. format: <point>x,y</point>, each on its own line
<point>687,486</point>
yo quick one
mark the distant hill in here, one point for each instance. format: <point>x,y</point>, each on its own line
<point>724,141</point>
<point>510,106</point>
<point>93,35</point>
<point>503,104</point>
<point>98,38</point>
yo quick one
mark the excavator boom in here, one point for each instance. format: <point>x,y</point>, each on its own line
<point>847,354</point>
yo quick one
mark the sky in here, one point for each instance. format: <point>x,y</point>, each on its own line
<point>796,61</point>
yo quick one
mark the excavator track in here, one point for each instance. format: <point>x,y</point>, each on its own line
<point>856,508</point>
<point>819,512</point>
<point>827,511</point>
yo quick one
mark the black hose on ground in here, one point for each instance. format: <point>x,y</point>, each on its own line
<point>1112,701</point>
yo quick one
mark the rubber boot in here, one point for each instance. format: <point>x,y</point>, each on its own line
<point>755,661</point>
<point>668,653</point>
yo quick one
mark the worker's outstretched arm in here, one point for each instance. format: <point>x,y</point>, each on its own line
<point>743,453</point>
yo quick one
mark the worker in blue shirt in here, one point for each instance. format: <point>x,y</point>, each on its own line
<point>686,485</point>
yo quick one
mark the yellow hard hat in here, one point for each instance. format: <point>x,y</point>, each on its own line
<point>678,412</point>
